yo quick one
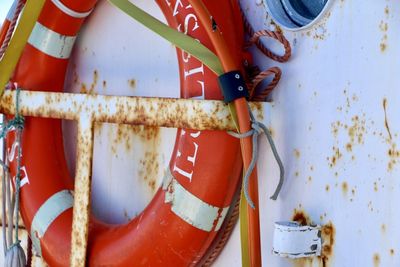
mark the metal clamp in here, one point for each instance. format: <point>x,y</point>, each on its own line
<point>233,86</point>
<point>292,240</point>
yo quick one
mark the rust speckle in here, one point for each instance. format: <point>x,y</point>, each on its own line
<point>327,188</point>
<point>377,260</point>
<point>335,157</point>
<point>301,217</point>
<point>259,108</point>
<point>393,153</point>
<point>383,46</point>
<point>345,188</point>
<point>383,228</point>
<point>391,252</point>
<point>383,26</point>
<point>132,83</point>
<point>328,236</point>
<point>296,153</point>
<point>90,90</point>
<point>386,120</point>
<point>150,139</point>
<point>349,147</point>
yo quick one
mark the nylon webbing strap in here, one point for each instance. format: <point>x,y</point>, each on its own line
<point>11,56</point>
<point>175,37</point>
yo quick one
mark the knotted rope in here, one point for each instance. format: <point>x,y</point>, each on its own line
<point>255,75</point>
<point>14,253</point>
<point>257,129</point>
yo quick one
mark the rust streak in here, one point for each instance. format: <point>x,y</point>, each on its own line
<point>386,120</point>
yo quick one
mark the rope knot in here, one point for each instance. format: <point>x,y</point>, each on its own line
<point>257,129</point>
<point>14,253</point>
<point>255,125</point>
<point>19,122</point>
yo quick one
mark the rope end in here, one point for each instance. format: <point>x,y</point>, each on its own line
<point>15,256</point>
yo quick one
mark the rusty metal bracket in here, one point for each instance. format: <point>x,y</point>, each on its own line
<point>88,109</point>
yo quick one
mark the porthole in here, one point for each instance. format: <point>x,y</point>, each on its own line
<point>296,14</point>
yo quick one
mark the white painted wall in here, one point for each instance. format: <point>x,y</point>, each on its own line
<point>328,121</point>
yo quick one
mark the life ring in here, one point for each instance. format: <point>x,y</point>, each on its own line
<point>183,219</point>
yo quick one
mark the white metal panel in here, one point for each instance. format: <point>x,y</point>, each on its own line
<point>329,124</point>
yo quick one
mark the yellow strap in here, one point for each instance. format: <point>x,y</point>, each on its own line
<point>244,224</point>
<point>18,41</point>
<point>177,38</point>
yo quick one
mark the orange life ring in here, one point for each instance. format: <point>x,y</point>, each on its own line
<point>183,219</point>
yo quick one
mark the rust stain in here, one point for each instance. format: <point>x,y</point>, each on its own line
<point>150,138</point>
<point>328,237</point>
<point>386,120</point>
<point>90,90</point>
<point>391,252</point>
<point>355,132</point>
<point>276,26</point>
<point>335,157</point>
<point>383,26</point>
<point>327,188</point>
<point>383,45</point>
<point>345,188</point>
<point>393,152</point>
<point>132,83</point>
<point>383,228</point>
<point>296,153</point>
<point>301,217</point>
<point>259,107</point>
<point>376,260</point>
<point>328,233</point>
<point>349,147</point>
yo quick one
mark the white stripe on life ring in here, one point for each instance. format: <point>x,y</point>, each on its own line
<point>50,42</point>
<point>47,213</point>
<point>70,12</point>
<point>190,208</point>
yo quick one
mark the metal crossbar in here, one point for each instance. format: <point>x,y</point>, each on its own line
<point>88,109</point>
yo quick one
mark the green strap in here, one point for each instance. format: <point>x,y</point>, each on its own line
<point>11,56</point>
<point>175,37</point>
